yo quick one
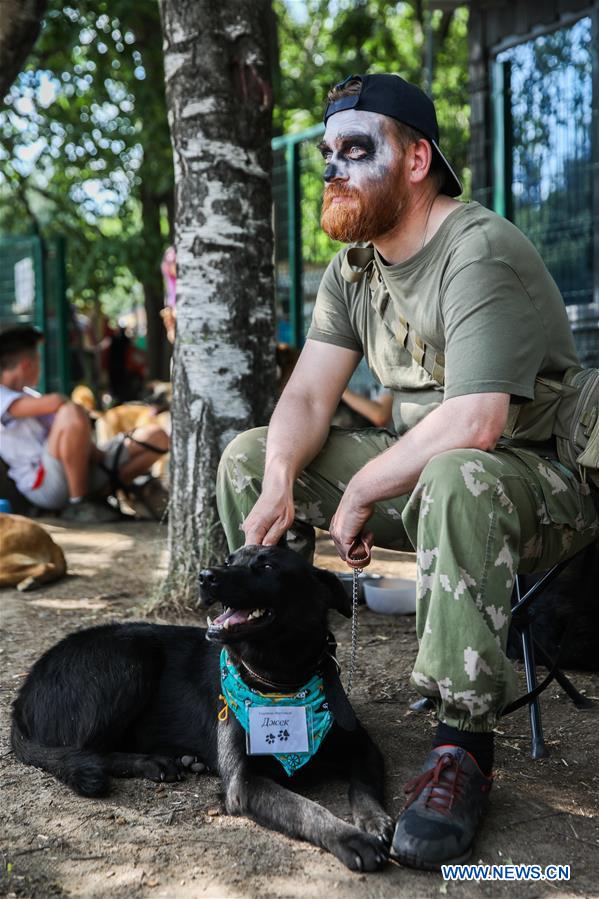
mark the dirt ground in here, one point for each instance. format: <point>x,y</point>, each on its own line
<point>173,840</point>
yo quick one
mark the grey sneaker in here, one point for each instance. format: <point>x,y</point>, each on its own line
<point>445,805</point>
<point>91,512</point>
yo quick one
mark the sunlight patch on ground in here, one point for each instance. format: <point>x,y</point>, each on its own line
<point>83,603</point>
<point>86,538</point>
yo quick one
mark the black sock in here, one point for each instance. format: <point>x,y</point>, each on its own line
<point>479,744</point>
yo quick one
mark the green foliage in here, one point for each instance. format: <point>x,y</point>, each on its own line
<point>84,142</point>
<point>336,39</point>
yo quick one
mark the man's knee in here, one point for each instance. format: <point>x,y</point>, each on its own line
<point>464,473</point>
<point>246,451</point>
<point>461,469</point>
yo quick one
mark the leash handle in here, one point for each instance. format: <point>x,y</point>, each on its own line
<point>358,555</point>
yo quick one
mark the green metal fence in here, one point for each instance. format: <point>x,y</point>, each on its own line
<point>302,249</point>
<point>33,291</point>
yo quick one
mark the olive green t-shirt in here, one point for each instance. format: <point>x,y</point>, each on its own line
<point>478,292</point>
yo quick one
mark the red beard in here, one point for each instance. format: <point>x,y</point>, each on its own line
<point>362,216</point>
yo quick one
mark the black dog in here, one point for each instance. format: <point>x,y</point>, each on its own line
<point>141,700</point>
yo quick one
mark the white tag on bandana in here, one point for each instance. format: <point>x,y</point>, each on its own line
<point>277,730</point>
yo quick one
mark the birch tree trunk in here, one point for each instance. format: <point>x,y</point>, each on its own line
<point>217,71</point>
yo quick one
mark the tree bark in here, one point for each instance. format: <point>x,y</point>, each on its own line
<point>217,73</point>
<point>20,22</point>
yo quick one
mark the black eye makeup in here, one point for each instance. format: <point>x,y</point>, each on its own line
<point>324,150</point>
<point>354,147</point>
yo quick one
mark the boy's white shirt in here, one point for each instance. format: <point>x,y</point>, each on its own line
<point>21,441</point>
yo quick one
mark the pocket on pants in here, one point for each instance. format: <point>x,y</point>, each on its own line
<point>562,499</point>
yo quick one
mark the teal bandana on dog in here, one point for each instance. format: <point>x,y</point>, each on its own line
<point>240,699</point>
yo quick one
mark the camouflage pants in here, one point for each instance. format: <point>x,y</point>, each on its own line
<point>475,520</point>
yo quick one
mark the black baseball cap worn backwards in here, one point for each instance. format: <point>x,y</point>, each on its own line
<point>392,96</point>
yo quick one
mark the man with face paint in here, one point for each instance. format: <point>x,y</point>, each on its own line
<point>457,316</point>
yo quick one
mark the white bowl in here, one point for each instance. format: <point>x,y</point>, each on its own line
<point>391,596</point>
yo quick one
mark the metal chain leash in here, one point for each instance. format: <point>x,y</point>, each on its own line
<point>354,629</point>
<point>358,557</point>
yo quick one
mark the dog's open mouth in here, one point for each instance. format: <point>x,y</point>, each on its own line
<point>234,620</point>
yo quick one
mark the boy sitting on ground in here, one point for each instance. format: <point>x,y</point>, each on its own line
<point>46,440</point>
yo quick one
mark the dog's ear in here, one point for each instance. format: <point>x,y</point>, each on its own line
<point>283,541</point>
<point>338,598</point>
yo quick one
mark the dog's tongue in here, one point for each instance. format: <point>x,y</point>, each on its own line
<point>233,616</point>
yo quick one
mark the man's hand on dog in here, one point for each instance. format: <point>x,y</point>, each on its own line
<point>271,516</point>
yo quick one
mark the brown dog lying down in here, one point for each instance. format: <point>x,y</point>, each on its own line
<point>28,554</point>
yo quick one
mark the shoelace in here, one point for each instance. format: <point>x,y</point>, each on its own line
<point>445,788</point>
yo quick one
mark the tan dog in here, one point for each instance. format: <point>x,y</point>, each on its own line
<point>118,419</point>
<point>124,419</point>
<point>28,554</point>
<point>128,416</point>
<point>83,396</point>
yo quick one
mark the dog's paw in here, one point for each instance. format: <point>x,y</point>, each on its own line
<point>377,824</point>
<point>160,768</point>
<point>28,583</point>
<point>192,763</point>
<point>360,851</point>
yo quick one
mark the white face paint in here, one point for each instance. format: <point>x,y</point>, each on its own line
<point>365,192</point>
<point>358,148</point>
